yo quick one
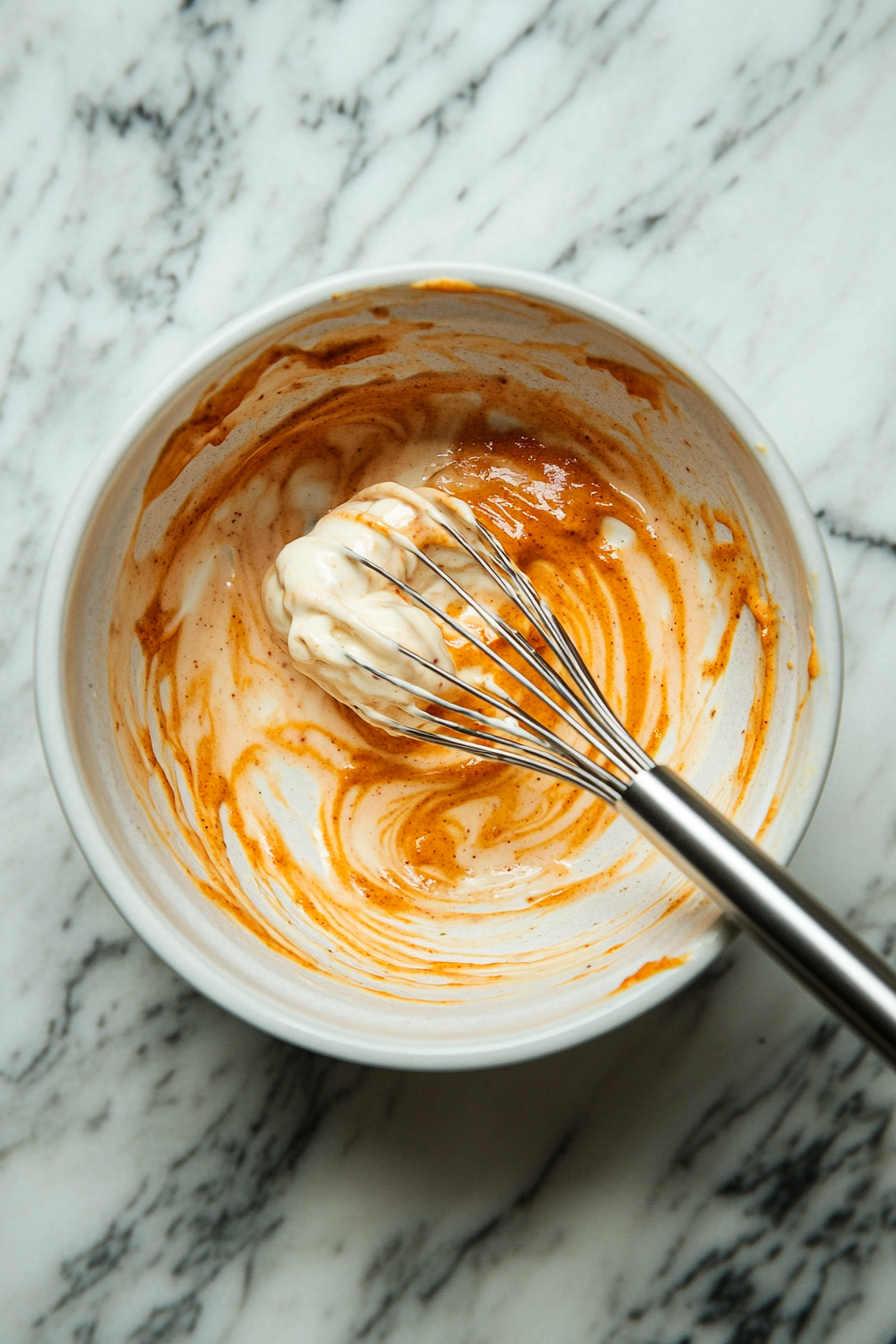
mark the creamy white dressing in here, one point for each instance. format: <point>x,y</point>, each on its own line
<point>332,612</point>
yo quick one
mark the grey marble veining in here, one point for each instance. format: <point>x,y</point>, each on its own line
<point>720,1172</point>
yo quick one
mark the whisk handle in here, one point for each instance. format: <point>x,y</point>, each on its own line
<point>841,970</point>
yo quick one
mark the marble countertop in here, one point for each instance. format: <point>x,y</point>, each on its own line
<point>722,1171</point>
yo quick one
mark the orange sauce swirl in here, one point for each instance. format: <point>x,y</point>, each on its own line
<point>402,867</point>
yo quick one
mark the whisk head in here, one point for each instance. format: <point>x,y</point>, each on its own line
<point>487,721</point>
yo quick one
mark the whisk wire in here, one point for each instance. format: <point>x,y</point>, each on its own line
<point>530,655</point>
<point>541,764</point>
<point>578,768</point>
<point>604,720</point>
<point>511,581</point>
<point>519,588</point>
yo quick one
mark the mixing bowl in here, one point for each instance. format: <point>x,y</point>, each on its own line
<point>711,444</point>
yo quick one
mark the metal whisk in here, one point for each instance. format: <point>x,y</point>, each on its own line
<point>818,949</point>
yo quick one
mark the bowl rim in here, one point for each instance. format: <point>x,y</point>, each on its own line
<point>195,964</point>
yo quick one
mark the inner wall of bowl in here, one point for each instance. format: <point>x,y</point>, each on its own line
<point>728,472</point>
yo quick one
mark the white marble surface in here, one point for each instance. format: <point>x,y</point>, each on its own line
<point>721,1172</point>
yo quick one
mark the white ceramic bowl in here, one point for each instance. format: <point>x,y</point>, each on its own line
<point>211,951</point>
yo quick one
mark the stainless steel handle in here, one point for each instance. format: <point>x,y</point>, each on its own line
<point>840,969</point>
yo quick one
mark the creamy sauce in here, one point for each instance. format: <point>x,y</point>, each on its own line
<point>344,622</point>
<point>404,868</point>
